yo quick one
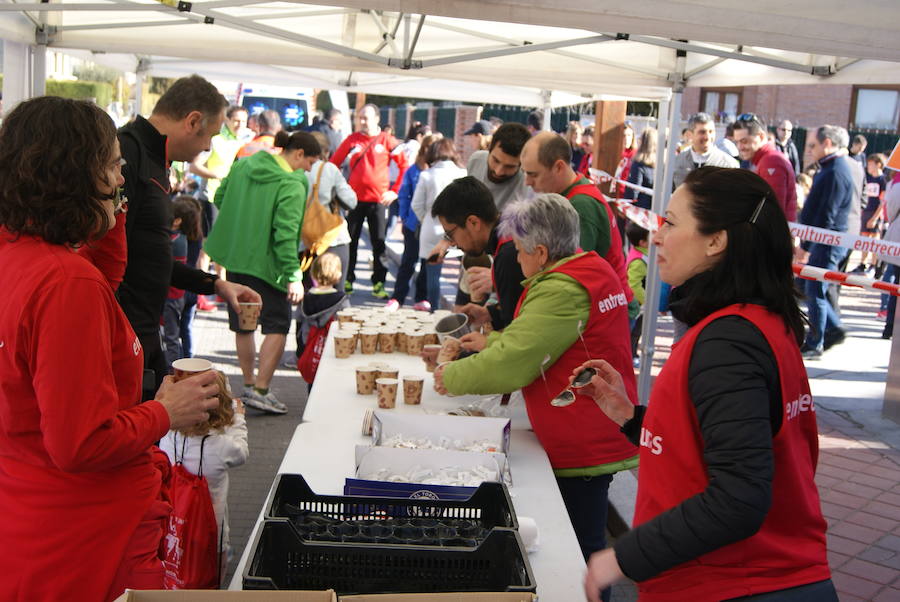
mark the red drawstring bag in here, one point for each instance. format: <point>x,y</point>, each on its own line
<point>308,362</point>
<point>191,542</point>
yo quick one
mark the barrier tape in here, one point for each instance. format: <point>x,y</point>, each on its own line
<point>651,221</point>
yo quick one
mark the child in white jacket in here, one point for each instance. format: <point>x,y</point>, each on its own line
<point>225,447</point>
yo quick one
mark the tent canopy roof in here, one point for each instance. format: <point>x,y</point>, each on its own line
<point>482,50</point>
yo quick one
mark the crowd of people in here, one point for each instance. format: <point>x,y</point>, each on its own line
<point>110,250</point>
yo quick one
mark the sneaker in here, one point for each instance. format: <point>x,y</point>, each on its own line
<point>881,315</point>
<point>810,353</point>
<point>422,306</point>
<point>833,337</point>
<point>265,403</point>
<point>348,287</point>
<point>204,304</point>
<point>378,291</point>
<point>392,305</point>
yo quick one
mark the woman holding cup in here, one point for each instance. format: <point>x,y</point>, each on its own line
<point>573,309</point>
<point>81,511</point>
<point>727,506</point>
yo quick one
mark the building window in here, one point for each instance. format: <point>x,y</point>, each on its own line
<point>876,108</point>
<point>722,103</point>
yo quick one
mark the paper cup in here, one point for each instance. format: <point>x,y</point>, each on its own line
<point>414,342</point>
<point>412,389</point>
<point>387,392</point>
<point>368,341</point>
<point>388,372</point>
<point>449,350</point>
<point>190,366</point>
<point>400,344</point>
<point>387,340</point>
<point>344,345</point>
<point>429,356</point>
<point>249,315</point>
<point>344,316</point>
<point>365,379</point>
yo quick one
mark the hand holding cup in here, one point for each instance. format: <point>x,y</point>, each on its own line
<point>189,400</point>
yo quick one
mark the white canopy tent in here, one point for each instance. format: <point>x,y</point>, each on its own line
<point>528,52</point>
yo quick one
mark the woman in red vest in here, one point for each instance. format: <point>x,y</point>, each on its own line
<point>81,505</point>
<point>573,309</point>
<point>727,507</point>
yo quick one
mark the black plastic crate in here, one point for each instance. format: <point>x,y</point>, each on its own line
<point>279,560</point>
<point>490,505</point>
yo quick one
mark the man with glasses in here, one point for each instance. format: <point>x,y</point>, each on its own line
<point>469,217</point>
<point>785,144</point>
<point>703,149</point>
<point>772,166</point>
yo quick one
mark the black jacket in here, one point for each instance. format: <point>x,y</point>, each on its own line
<point>735,387</point>
<point>508,280</point>
<point>151,268</point>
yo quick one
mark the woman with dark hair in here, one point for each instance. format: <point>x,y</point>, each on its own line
<point>81,507</point>
<point>410,228</point>
<point>445,168</point>
<point>643,168</point>
<point>727,505</point>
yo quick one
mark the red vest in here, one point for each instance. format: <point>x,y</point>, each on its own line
<point>789,548</point>
<point>614,255</point>
<point>580,434</point>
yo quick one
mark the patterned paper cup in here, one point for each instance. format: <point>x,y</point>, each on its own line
<point>387,392</point>
<point>412,389</point>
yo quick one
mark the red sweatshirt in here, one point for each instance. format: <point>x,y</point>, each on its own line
<point>774,167</point>
<point>76,475</point>
<point>370,157</point>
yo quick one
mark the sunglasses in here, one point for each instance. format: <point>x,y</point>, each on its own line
<point>747,117</point>
<point>120,202</point>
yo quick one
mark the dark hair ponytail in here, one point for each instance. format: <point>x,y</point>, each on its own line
<point>756,266</point>
<point>303,140</point>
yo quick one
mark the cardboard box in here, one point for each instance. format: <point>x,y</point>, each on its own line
<point>224,596</point>
<point>370,459</point>
<point>387,424</point>
<point>460,597</point>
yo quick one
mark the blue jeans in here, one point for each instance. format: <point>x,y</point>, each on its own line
<point>587,503</point>
<point>891,275</point>
<point>822,315</point>
<point>187,324</point>
<point>820,591</point>
<point>408,268</point>
<point>433,283</point>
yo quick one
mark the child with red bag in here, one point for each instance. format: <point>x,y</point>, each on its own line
<point>203,454</point>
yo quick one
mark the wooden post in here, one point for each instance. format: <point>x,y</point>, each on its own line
<point>609,135</point>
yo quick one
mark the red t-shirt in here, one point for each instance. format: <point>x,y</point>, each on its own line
<point>773,167</point>
<point>76,474</point>
<point>370,157</point>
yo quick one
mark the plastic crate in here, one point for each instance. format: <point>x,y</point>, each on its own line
<point>490,505</point>
<point>279,560</point>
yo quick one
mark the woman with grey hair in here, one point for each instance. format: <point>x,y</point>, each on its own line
<point>573,307</point>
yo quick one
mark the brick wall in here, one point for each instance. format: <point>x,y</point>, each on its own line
<point>806,105</point>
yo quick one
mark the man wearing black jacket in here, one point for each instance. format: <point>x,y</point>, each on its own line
<point>181,125</point>
<point>469,216</point>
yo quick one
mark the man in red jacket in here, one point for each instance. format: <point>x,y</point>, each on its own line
<point>368,153</point>
<point>770,163</point>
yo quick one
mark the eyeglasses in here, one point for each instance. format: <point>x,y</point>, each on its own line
<point>448,235</point>
<point>120,202</point>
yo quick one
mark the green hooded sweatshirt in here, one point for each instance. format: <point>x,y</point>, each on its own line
<point>261,204</point>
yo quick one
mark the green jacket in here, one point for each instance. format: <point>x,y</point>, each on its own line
<point>514,356</point>
<point>261,205</point>
<point>595,233</point>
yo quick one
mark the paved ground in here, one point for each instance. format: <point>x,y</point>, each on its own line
<point>859,463</point>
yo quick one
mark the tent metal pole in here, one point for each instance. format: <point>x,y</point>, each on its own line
<point>475,56</point>
<point>546,96</point>
<point>16,73</point>
<point>669,118</point>
<point>39,65</point>
<point>684,46</point>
